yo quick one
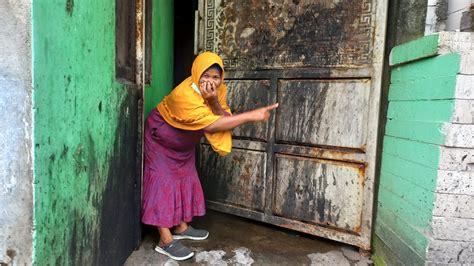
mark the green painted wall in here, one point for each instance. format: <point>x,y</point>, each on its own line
<point>421,97</point>
<point>161,82</point>
<point>85,126</point>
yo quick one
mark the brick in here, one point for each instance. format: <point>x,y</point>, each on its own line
<point>455,42</point>
<point>414,151</point>
<point>427,111</point>
<point>410,51</point>
<point>412,172</point>
<point>463,112</point>
<point>429,68</point>
<point>432,45</point>
<point>455,182</point>
<point>417,217</point>
<point>447,251</point>
<point>449,228</point>
<point>429,132</point>
<point>400,248</point>
<point>459,135</point>
<point>412,236</point>
<point>452,205</point>
<point>382,254</point>
<point>417,196</point>
<point>456,159</point>
<point>467,67</point>
<point>464,87</point>
<point>424,89</point>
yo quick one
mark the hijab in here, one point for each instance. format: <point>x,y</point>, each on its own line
<point>186,109</point>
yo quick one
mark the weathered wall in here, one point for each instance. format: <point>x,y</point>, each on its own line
<point>16,176</point>
<point>406,20</point>
<point>453,213</point>
<point>422,100</point>
<point>459,15</point>
<point>85,137</point>
<point>450,15</point>
<point>436,15</point>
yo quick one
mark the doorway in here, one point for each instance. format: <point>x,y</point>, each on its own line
<point>311,167</point>
<point>169,42</point>
<point>184,17</point>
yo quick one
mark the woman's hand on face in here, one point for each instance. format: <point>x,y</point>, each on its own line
<point>262,114</point>
<point>209,91</point>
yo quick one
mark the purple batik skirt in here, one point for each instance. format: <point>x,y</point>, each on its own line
<point>172,192</point>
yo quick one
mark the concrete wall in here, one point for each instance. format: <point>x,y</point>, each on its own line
<point>415,215</point>
<point>16,178</point>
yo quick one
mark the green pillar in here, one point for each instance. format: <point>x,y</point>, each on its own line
<point>161,82</point>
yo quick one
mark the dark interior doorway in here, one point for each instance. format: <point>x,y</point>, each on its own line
<point>183,39</point>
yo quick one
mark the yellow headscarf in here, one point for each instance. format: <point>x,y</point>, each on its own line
<point>185,108</point>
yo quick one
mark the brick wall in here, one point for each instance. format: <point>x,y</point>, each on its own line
<point>423,154</point>
<point>453,214</point>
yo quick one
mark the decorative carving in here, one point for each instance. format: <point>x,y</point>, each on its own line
<point>269,35</point>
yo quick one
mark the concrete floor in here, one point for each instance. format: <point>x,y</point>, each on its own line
<point>238,241</point>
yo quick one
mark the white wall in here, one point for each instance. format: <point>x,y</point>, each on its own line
<point>452,239</point>
<point>455,10</point>
<point>445,15</point>
<point>16,158</point>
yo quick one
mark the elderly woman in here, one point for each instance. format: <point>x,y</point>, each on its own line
<point>172,193</point>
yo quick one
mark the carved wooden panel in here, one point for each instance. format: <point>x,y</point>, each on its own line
<point>322,192</point>
<point>245,95</point>
<point>323,112</point>
<point>268,34</point>
<point>236,179</point>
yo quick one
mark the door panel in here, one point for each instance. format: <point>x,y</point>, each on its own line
<point>317,191</point>
<point>237,179</point>
<point>312,165</point>
<point>245,94</point>
<point>323,112</point>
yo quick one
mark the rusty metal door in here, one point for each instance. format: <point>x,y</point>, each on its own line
<point>311,166</point>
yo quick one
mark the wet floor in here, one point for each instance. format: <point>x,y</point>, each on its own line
<point>237,241</point>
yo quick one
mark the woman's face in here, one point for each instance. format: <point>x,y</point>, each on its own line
<point>211,75</point>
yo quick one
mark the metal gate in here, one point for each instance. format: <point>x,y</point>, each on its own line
<point>311,166</point>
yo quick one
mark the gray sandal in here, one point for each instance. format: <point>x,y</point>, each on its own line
<point>191,233</point>
<point>175,250</point>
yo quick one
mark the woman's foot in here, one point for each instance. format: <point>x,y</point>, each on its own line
<point>175,250</point>
<point>191,233</point>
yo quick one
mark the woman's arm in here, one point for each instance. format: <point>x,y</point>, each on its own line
<point>229,122</point>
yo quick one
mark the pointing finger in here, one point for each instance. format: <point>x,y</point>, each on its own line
<point>273,106</point>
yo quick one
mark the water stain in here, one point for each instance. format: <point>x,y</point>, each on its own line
<point>69,7</point>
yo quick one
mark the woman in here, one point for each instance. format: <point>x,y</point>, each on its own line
<point>172,192</point>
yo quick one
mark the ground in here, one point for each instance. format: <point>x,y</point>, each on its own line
<point>238,241</point>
